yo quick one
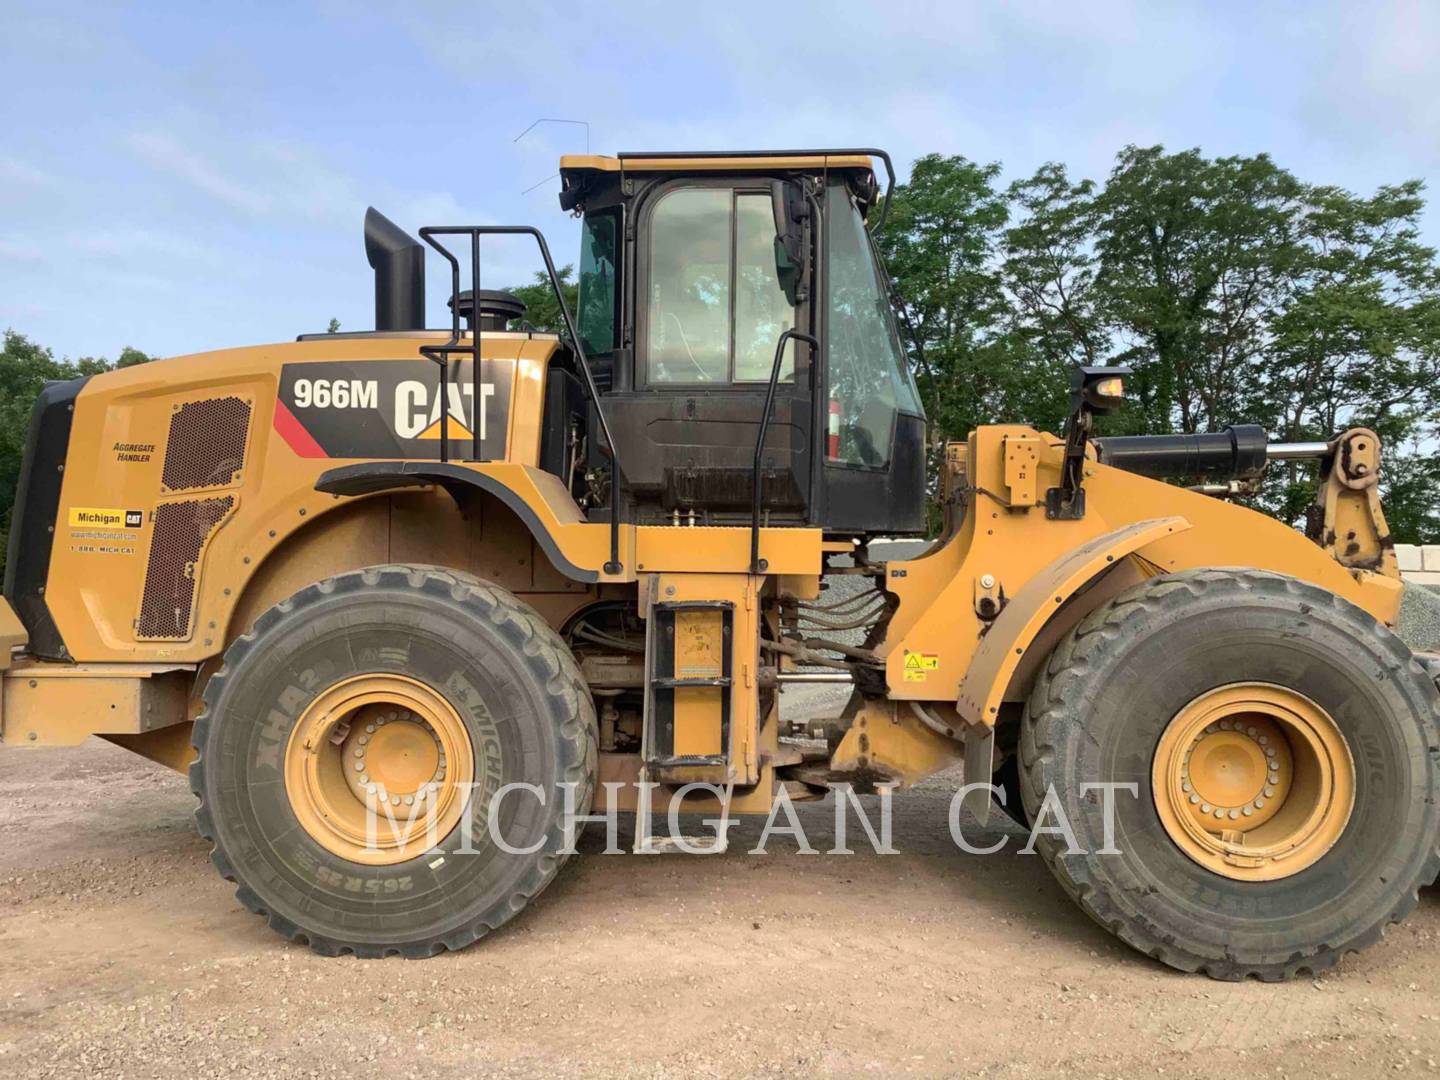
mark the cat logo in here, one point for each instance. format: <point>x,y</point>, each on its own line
<point>417,410</point>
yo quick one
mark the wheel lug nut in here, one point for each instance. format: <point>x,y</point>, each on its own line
<point>1248,811</point>
<point>1205,808</point>
<point>1194,799</point>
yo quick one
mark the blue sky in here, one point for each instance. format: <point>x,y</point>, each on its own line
<point>182,176</point>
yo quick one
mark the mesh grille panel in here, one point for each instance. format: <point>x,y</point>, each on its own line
<point>206,447</point>
<point>181,529</point>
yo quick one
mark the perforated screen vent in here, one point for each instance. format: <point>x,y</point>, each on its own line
<point>206,447</point>
<point>181,530</point>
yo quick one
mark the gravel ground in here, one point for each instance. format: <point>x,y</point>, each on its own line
<point>1420,618</point>
<point>127,956</point>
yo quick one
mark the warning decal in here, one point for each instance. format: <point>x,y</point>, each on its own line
<point>919,665</point>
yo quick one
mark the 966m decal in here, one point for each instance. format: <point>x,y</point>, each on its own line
<point>393,408</point>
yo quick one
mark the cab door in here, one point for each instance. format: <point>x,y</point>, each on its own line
<point>709,310</point>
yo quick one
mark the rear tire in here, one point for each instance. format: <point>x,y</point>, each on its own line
<point>516,703</point>
<point>1111,690</point>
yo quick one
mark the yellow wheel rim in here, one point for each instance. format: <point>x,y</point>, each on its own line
<point>1253,781</point>
<point>378,769</point>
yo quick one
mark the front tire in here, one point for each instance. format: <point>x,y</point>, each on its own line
<point>1130,696</point>
<point>435,682</point>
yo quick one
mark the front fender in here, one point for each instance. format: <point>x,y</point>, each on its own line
<point>1018,625</point>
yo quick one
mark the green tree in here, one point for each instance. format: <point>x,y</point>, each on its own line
<point>1049,273</point>
<point>1236,291</point>
<point>1194,253</point>
<point>333,327</point>
<point>542,311</point>
<point>1357,344</point>
<point>939,243</point>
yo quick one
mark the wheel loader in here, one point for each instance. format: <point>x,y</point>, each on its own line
<point>490,580</point>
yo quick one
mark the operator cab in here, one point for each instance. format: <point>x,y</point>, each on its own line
<point>692,265</point>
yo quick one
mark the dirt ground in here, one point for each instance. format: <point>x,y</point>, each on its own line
<point>125,954</point>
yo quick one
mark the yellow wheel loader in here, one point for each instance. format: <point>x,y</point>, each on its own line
<point>476,582</point>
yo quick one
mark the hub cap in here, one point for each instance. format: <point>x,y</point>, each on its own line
<point>378,769</point>
<point>1253,781</point>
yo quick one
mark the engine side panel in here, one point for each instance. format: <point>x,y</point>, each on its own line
<point>181,476</point>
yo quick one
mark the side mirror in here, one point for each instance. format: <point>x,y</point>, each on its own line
<point>792,211</point>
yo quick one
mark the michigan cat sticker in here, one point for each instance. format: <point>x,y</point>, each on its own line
<point>92,517</point>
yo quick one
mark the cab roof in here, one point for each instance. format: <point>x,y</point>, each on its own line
<point>716,161</point>
<point>582,174</point>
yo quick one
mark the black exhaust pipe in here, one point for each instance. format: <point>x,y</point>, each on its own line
<point>398,260</point>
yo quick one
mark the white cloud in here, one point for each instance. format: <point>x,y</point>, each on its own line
<point>1375,78</point>
<point>11,251</point>
<point>134,242</point>
<point>166,154</point>
<point>15,171</point>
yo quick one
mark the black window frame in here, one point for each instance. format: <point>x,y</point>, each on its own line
<point>737,185</point>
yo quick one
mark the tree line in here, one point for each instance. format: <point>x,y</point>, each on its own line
<point>1237,292</point>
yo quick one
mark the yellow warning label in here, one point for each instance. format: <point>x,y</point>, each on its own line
<point>95,517</point>
<point>919,665</point>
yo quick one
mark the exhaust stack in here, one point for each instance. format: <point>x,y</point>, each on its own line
<point>398,260</point>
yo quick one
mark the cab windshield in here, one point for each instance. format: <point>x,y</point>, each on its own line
<point>869,380</point>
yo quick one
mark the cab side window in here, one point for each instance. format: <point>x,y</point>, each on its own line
<point>715,307</point>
